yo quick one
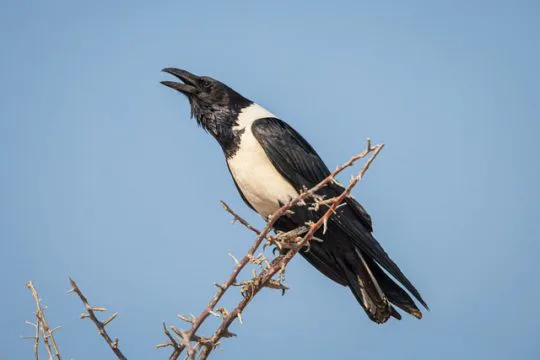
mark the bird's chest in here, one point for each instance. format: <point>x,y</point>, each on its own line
<point>257,178</point>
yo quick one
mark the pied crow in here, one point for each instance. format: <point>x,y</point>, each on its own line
<point>270,163</point>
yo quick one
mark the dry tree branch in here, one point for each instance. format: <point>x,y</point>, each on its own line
<point>37,328</point>
<point>41,324</point>
<point>265,278</point>
<point>281,261</point>
<point>91,314</point>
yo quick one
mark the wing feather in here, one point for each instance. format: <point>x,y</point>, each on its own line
<point>300,164</point>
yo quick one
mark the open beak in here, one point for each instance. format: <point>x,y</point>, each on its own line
<point>189,85</point>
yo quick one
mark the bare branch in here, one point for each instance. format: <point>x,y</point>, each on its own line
<point>294,241</point>
<point>113,344</point>
<point>238,218</point>
<point>260,281</point>
<point>37,327</point>
<point>41,324</point>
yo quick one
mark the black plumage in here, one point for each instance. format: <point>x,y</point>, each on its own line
<point>259,147</point>
<point>348,248</point>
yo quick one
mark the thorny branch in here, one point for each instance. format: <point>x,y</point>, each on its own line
<point>291,241</point>
<point>91,314</point>
<point>42,325</point>
<point>37,327</point>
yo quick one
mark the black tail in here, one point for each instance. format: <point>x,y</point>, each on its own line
<point>351,256</point>
<point>365,287</point>
<point>395,294</point>
<point>373,288</point>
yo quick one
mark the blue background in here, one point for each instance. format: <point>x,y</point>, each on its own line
<point>105,178</point>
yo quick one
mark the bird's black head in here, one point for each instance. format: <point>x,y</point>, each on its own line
<point>215,105</point>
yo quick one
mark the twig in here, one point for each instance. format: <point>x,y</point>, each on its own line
<point>41,323</point>
<point>282,261</point>
<point>238,218</point>
<point>37,327</point>
<point>113,344</point>
<point>277,265</point>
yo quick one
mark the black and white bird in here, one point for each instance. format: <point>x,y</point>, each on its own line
<point>270,163</point>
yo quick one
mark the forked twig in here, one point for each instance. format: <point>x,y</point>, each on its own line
<point>91,314</point>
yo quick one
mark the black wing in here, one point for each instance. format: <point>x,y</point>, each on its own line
<point>300,164</point>
<point>297,161</point>
<point>290,152</point>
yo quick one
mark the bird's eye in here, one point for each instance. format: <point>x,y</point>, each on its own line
<point>207,85</point>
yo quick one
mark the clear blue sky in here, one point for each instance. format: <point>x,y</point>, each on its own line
<point>105,178</point>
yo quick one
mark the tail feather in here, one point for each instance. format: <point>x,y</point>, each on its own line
<point>345,259</point>
<point>394,313</point>
<point>395,293</point>
<point>375,290</point>
<point>365,287</point>
<point>318,258</point>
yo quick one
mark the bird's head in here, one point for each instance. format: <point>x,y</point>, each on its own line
<point>214,105</point>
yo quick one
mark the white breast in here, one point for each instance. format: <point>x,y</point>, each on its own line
<point>261,184</point>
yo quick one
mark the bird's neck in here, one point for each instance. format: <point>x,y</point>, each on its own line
<point>229,127</point>
<point>220,122</point>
